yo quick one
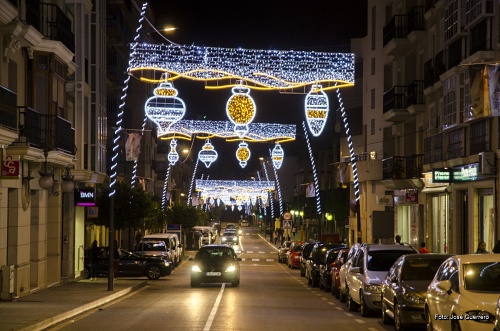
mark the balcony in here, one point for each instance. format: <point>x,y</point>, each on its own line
<point>8,110</point>
<point>395,36</point>
<point>368,168</point>
<point>46,131</point>
<point>433,68</point>
<point>402,102</point>
<point>51,22</point>
<point>416,23</point>
<point>402,172</point>
<point>9,11</point>
<point>433,151</point>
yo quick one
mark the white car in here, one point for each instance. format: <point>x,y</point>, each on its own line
<point>343,271</point>
<point>464,293</point>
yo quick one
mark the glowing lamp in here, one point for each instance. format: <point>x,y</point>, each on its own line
<point>277,156</point>
<point>316,108</point>
<point>173,156</point>
<point>165,108</point>
<point>207,154</point>
<point>240,109</point>
<point>243,154</point>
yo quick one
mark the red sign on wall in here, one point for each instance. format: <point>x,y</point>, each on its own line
<point>10,168</point>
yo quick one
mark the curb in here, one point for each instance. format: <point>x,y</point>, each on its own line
<point>76,311</point>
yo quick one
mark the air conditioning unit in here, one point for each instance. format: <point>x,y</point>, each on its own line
<point>486,163</point>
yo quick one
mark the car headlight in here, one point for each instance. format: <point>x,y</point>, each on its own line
<point>240,232</point>
<point>166,263</point>
<point>413,297</point>
<point>231,268</point>
<point>480,316</point>
<point>195,268</point>
<point>223,238</point>
<point>372,288</point>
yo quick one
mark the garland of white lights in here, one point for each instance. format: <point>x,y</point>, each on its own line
<point>316,109</point>
<point>258,132</point>
<point>134,171</point>
<point>269,196</point>
<point>192,180</point>
<point>165,184</point>
<point>265,69</point>
<point>260,204</point>
<point>277,185</point>
<point>315,174</point>
<point>121,107</point>
<point>351,148</point>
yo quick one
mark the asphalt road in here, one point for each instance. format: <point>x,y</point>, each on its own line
<point>270,297</point>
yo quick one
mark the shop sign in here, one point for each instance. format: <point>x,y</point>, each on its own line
<point>385,200</point>
<point>464,173</point>
<point>92,212</point>
<point>10,168</point>
<point>85,197</point>
<point>405,197</point>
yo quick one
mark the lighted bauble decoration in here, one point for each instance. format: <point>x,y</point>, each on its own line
<point>173,156</point>
<point>241,109</point>
<point>165,108</point>
<point>207,154</point>
<point>243,154</point>
<point>263,198</point>
<point>277,155</point>
<point>316,107</point>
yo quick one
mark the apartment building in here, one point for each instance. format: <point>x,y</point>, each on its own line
<point>428,151</point>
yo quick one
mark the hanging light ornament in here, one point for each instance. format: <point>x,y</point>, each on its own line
<point>241,109</point>
<point>207,154</point>
<point>316,107</point>
<point>165,108</point>
<point>173,156</point>
<point>243,154</point>
<point>277,156</point>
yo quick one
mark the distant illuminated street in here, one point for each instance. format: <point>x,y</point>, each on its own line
<point>270,297</point>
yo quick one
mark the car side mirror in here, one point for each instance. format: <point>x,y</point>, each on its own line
<point>356,270</point>
<point>239,259</point>
<point>191,259</point>
<point>445,286</point>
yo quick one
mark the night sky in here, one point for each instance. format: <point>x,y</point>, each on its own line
<point>322,26</point>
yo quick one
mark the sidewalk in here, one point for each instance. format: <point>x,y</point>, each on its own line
<point>42,309</point>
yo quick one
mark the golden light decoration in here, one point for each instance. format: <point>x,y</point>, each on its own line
<point>277,155</point>
<point>208,154</point>
<point>316,108</point>
<point>173,156</point>
<point>241,109</point>
<point>243,154</point>
<point>165,108</point>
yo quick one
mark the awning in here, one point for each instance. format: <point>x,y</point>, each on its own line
<point>435,189</point>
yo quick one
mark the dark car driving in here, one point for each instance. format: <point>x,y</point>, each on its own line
<point>215,264</point>
<point>130,265</point>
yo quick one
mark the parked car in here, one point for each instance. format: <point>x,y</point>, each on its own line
<point>230,236</point>
<point>306,250</point>
<point>337,264</point>
<point>153,248</point>
<point>244,223</point>
<point>496,326</point>
<point>368,269</point>
<point>283,250</point>
<point>325,268</point>
<point>464,293</point>
<point>405,287</point>
<point>215,264</point>
<point>129,265</point>
<point>205,234</point>
<point>343,271</point>
<point>315,259</point>
<point>294,254</point>
<point>172,242</point>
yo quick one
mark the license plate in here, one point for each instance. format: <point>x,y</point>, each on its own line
<point>213,273</point>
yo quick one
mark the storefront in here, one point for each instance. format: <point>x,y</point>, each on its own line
<point>408,218</point>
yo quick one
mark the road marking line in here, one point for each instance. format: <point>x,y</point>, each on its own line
<point>255,260</point>
<point>269,260</point>
<point>208,325</point>
<point>262,252</point>
<point>249,252</point>
<point>359,321</point>
<point>331,303</point>
<point>350,315</point>
<point>339,308</point>
<point>323,298</point>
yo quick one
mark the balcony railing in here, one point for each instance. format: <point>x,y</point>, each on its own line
<point>415,93</point>
<point>395,98</point>
<point>402,167</point>
<point>46,131</point>
<point>8,110</point>
<point>51,22</point>
<point>396,28</point>
<point>416,20</point>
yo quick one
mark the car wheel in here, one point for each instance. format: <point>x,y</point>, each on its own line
<point>302,272</point>
<point>351,305</point>
<point>194,283</point>
<point>365,311</point>
<point>342,296</point>
<point>321,286</point>
<point>385,318</point>
<point>397,318</point>
<point>428,321</point>
<point>235,283</point>
<point>86,273</point>
<point>309,280</point>
<point>314,281</point>
<point>153,272</point>
<point>334,291</point>
<point>455,326</point>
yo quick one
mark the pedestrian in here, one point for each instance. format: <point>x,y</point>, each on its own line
<point>481,248</point>
<point>280,235</point>
<point>496,248</point>
<point>398,239</point>
<point>116,259</point>
<point>94,260</point>
<point>275,236</point>
<point>422,249</point>
<point>138,237</point>
<point>294,230</point>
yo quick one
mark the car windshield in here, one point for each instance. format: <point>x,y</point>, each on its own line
<point>383,260</point>
<point>215,253</point>
<point>424,269</point>
<point>154,246</point>
<point>297,248</point>
<point>484,277</point>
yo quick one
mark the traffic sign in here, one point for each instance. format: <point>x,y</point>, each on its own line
<point>287,224</point>
<point>287,216</point>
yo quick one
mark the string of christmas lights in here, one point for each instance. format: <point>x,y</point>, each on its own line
<point>269,196</point>
<point>165,184</point>
<point>277,184</point>
<point>265,69</point>
<point>315,173</point>
<point>192,180</point>
<point>351,148</point>
<point>134,170</point>
<point>257,132</point>
<point>121,107</point>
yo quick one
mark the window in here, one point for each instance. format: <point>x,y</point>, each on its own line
<point>451,19</point>
<point>374,25</point>
<point>373,66</point>
<point>372,102</point>
<point>451,102</point>
<point>372,126</point>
